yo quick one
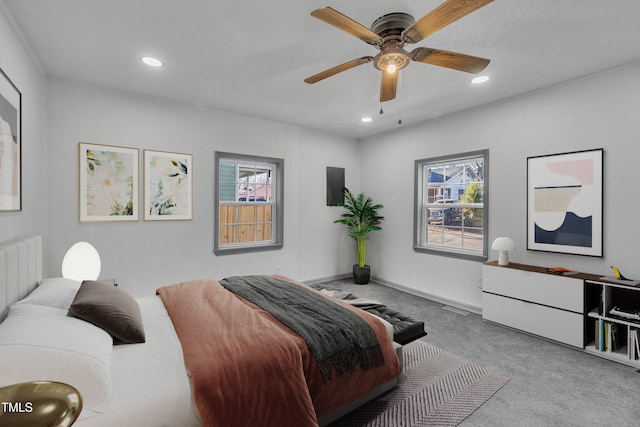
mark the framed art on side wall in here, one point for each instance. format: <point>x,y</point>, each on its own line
<point>108,183</point>
<point>564,203</point>
<point>168,186</point>
<point>10,145</point>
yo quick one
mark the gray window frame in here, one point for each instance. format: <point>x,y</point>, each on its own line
<point>278,218</point>
<point>418,220</point>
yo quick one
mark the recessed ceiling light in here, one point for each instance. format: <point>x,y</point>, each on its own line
<point>366,119</point>
<point>480,79</point>
<point>151,61</point>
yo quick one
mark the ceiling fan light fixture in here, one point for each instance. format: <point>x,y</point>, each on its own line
<point>391,61</point>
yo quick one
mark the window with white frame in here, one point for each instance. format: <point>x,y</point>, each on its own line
<point>451,195</point>
<point>248,203</point>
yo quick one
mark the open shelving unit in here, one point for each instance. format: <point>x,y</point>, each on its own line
<point>607,335</point>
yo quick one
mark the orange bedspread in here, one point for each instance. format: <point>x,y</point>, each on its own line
<point>248,369</point>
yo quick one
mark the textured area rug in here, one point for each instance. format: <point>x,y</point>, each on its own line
<point>437,389</point>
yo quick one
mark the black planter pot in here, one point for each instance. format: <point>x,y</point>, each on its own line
<point>361,274</point>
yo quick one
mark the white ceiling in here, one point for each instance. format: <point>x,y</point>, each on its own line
<point>251,57</point>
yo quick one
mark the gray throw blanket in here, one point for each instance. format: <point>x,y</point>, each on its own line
<point>337,337</point>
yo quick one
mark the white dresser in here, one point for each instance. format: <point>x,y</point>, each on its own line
<point>533,300</point>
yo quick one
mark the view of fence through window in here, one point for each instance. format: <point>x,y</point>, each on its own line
<point>246,206</point>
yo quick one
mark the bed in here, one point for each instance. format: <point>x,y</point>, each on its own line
<point>146,375</point>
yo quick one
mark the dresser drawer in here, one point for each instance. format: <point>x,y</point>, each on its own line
<point>558,325</point>
<point>555,291</point>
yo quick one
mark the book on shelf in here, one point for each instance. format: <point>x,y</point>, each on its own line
<point>613,338</point>
<point>601,335</point>
<point>632,345</point>
<point>608,339</point>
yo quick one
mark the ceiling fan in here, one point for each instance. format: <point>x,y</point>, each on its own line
<point>391,32</point>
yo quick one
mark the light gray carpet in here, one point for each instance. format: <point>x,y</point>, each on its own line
<point>549,384</point>
<point>437,389</point>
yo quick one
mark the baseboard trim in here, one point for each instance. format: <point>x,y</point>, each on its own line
<point>326,279</point>
<point>454,303</point>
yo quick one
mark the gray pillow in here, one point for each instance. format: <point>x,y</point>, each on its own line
<point>111,309</point>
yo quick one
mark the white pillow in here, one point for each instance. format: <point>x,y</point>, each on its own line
<point>55,292</point>
<point>23,309</point>
<point>37,343</point>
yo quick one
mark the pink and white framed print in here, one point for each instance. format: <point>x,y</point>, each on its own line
<point>564,203</point>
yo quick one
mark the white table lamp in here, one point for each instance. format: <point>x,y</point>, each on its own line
<point>503,245</point>
<point>81,262</point>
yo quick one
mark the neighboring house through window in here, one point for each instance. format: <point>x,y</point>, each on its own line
<point>248,203</point>
<point>451,195</point>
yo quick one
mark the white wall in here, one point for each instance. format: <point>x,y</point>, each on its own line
<point>144,255</point>
<point>591,113</point>
<point>597,112</point>
<point>23,72</point>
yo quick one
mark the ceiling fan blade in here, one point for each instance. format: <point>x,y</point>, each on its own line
<point>338,69</point>
<point>443,15</point>
<point>344,23</point>
<point>388,85</point>
<point>456,61</point>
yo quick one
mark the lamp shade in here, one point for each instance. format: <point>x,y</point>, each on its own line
<point>503,245</point>
<point>81,262</point>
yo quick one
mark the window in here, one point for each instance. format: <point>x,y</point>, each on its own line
<point>451,194</point>
<point>248,202</point>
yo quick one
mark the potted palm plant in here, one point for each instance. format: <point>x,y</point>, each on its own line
<point>361,217</point>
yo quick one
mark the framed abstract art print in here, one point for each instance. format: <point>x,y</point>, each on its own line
<point>564,203</point>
